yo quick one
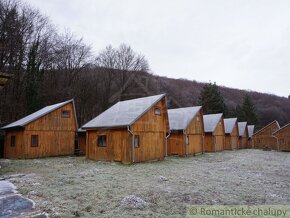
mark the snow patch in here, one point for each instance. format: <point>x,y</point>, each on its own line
<point>133,201</point>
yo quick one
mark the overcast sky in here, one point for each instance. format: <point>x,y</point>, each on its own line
<point>242,44</point>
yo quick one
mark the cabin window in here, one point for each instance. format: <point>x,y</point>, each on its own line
<point>136,141</point>
<point>13,141</point>
<point>187,140</point>
<point>157,111</point>
<point>102,141</point>
<point>281,141</point>
<point>65,114</point>
<point>34,141</point>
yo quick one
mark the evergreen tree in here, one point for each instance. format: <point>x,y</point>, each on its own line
<point>33,78</point>
<point>247,112</point>
<point>211,100</point>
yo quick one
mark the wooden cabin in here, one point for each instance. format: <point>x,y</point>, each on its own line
<point>283,137</point>
<point>264,139</point>
<point>81,141</point>
<point>186,131</point>
<point>251,129</point>
<point>130,131</point>
<point>231,133</point>
<point>214,130</point>
<point>243,135</point>
<point>47,132</point>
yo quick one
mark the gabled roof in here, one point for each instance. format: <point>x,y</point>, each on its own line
<point>275,121</point>
<point>34,116</point>
<point>282,128</point>
<point>180,118</point>
<point>251,130</point>
<point>242,128</point>
<point>211,121</point>
<point>123,113</point>
<point>230,124</point>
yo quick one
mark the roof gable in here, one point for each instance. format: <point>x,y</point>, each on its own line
<point>242,128</point>
<point>230,124</point>
<point>180,118</point>
<point>281,128</point>
<point>123,113</point>
<point>265,127</point>
<point>251,130</point>
<point>211,121</point>
<point>36,115</point>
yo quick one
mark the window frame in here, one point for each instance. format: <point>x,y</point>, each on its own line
<point>33,143</point>
<point>187,140</point>
<point>138,140</point>
<point>13,141</point>
<point>65,113</point>
<point>157,111</point>
<point>103,143</point>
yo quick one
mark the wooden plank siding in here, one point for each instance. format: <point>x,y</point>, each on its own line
<point>215,141</point>
<point>150,128</point>
<point>16,151</point>
<point>243,140</point>
<point>232,139</point>
<point>176,143</point>
<point>283,138</point>
<point>56,136</point>
<point>265,139</point>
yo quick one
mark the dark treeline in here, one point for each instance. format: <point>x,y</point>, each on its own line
<point>48,67</point>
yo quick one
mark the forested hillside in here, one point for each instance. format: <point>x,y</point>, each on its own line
<point>48,67</point>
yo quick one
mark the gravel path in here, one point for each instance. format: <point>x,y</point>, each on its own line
<point>73,186</point>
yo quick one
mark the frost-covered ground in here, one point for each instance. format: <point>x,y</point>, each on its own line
<point>73,186</point>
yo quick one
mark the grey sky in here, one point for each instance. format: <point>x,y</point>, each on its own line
<point>243,44</point>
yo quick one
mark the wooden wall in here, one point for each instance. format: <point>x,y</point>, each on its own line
<point>195,132</point>
<point>176,143</point>
<point>18,150</point>
<point>215,141</point>
<point>56,135</point>
<point>283,137</point>
<point>264,138</point>
<point>243,140</point>
<point>208,143</point>
<point>232,140</point>
<point>151,130</point>
<point>117,149</point>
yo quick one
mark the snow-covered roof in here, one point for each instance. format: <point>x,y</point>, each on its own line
<point>242,128</point>
<point>123,113</point>
<point>211,121</point>
<point>229,124</point>
<point>180,118</point>
<point>251,130</point>
<point>34,116</point>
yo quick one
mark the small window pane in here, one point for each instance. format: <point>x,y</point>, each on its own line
<point>102,141</point>
<point>187,140</point>
<point>13,141</point>
<point>65,114</point>
<point>34,141</point>
<point>136,141</point>
<point>157,111</point>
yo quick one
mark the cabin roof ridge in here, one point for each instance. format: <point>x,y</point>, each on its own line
<point>37,114</point>
<point>269,124</point>
<point>122,113</point>
<point>180,118</point>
